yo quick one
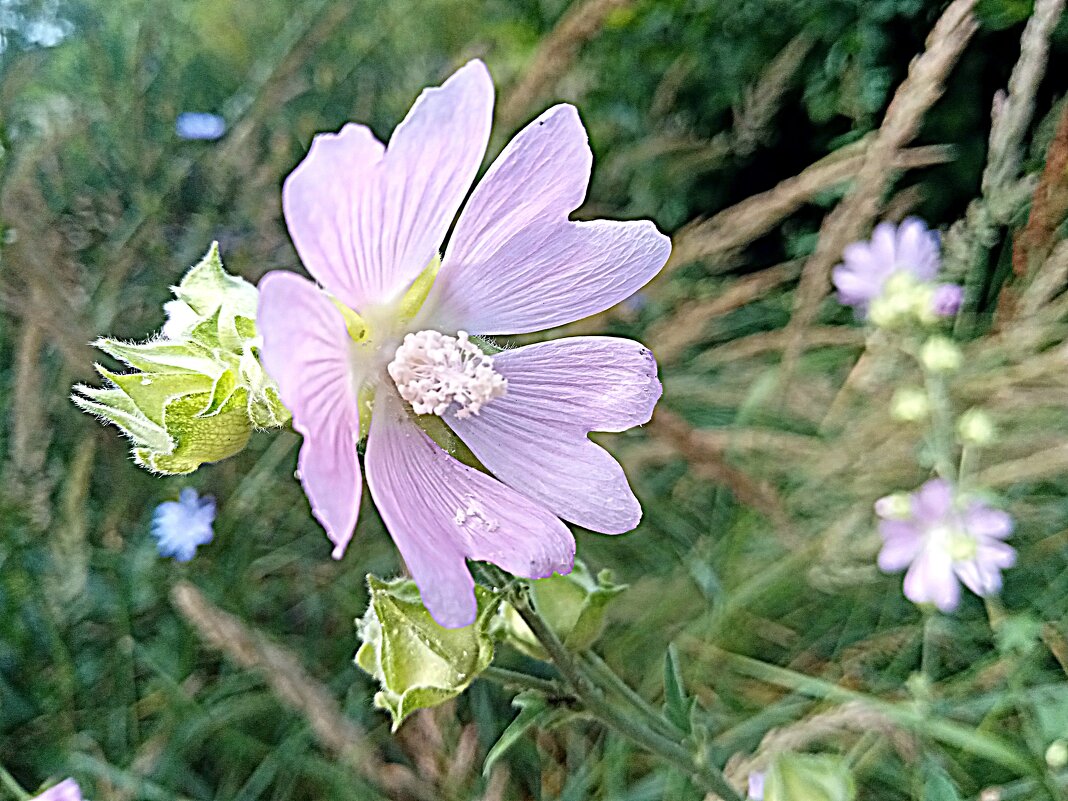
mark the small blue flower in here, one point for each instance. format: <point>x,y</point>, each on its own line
<point>199,125</point>
<point>180,526</point>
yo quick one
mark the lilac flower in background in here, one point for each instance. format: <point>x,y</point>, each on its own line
<point>389,321</point>
<point>908,253</point>
<point>944,539</point>
<point>66,790</point>
<point>199,125</point>
<point>947,300</point>
<point>180,526</point>
<point>756,786</point>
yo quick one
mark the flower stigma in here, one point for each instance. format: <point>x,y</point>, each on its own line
<point>433,371</point>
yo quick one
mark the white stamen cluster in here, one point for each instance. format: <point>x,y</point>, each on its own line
<point>434,370</point>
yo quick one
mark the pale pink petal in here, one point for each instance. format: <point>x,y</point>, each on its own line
<point>980,578</point>
<point>516,264</point>
<point>997,554</point>
<point>367,223</point>
<point>319,200</point>
<point>440,511</point>
<point>884,244</point>
<point>982,521</point>
<point>917,249</point>
<point>534,439</point>
<point>901,544</point>
<point>931,580</point>
<point>306,350</point>
<point>932,501</point>
<point>66,790</point>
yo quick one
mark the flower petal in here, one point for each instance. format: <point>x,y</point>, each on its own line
<point>931,580</point>
<point>982,521</point>
<point>365,221</point>
<point>534,439</point>
<point>516,264</point>
<point>981,578</point>
<point>306,351</point>
<point>901,543</point>
<point>917,248</point>
<point>440,511</point>
<point>932,501</point>
<point>66,790</point>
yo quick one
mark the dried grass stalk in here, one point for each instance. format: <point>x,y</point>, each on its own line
<point>858,209</point>
<point>1013,115</point>
<point>672,334</point>
<point>755,216</point>
<point>294,687</point>
<point>554,57</point>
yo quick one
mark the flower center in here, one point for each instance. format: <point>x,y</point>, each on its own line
<point>960,546</point>
<point>434,370</point>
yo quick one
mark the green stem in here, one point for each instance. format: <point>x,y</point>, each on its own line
<point>12,786</point>
<point>670,750</point>
<point>524,681</point>
<point>610,680</point>
<point>941,425</point>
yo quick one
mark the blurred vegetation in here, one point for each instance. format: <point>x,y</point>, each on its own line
<point>757,478</point>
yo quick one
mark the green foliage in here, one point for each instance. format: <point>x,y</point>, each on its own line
<point>762,549</point>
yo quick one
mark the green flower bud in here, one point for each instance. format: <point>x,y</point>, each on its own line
<point>573,605</point>
<point>198,391</point>
<point>808,777</point>
<point>976,428</point>
<point>418,663</point>
<point>1057,754</point>
<point>910,405</point>
<point>940,355</point>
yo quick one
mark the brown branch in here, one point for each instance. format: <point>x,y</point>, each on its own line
<point>1048,207</point>
<point>859,208</point>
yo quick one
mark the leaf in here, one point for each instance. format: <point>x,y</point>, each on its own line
<point>677,706</point>
<point>533,710</point>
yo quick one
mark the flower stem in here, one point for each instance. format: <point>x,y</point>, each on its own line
<point>668,749</point>
<point>524,681</point>
<point>12,786</point>
<point>941,426</point>
<point>610,680</point>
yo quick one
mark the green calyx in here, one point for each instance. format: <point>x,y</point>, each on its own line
<point>197,392</point>
<point>574,605</point>
<point>808,777</point>
<point>418,663</point>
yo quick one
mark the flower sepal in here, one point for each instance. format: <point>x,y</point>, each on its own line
<point>418,663</point>
<point>573,605</point>
<point>812,777</point>
<point>197,392</point>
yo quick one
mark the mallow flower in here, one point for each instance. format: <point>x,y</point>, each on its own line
<point>66,790</point>
<point>944,539</point>
<point>390,326</point>
<point>895,272</point>
<point>180,526</point>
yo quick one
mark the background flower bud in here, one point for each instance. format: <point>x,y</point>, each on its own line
<point>940,355</point>
<point>976,428</point>
<point>910,404</point>
<point>418,663</point>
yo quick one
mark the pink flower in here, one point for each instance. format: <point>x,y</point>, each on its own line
<point>368,222</point>
<point>910,250</point>
<point>944,540</point>
<point>66,790</point>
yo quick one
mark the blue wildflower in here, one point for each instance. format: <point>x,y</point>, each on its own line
<point>180,526</point>
<point>199,125</point>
